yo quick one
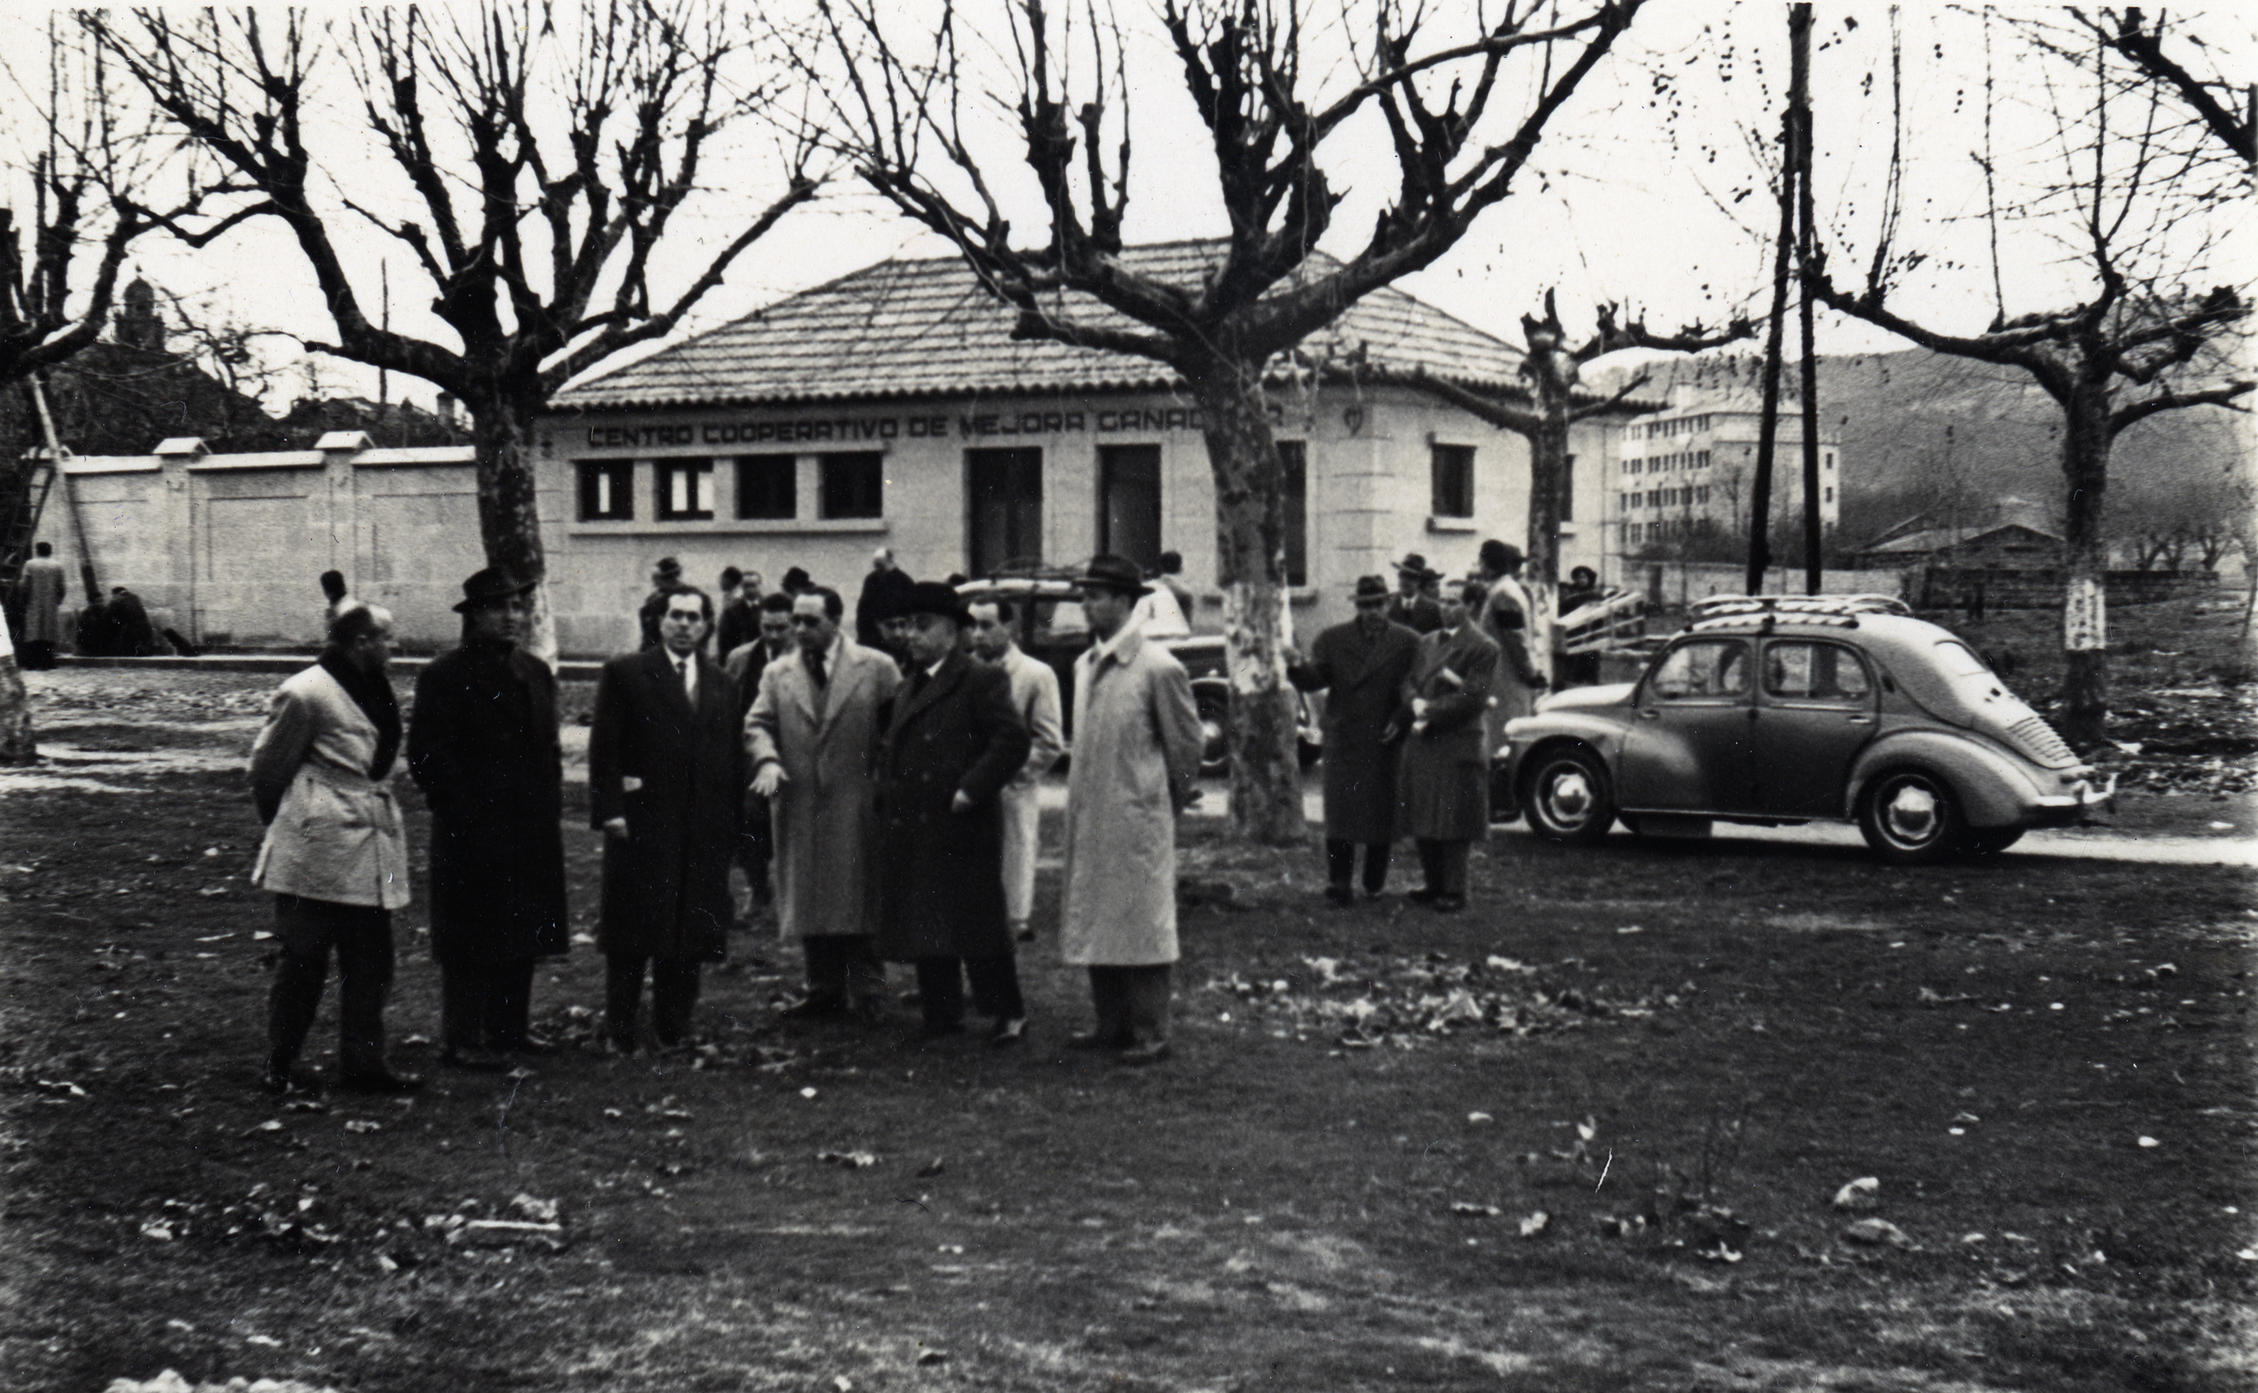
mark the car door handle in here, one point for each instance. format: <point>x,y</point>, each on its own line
<point>1858,720</point>
<point>1650,714</point>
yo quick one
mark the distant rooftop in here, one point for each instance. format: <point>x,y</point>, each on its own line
<point>925,328</point>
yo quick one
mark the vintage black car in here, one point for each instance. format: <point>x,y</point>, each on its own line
<point>1785,709</point>
<point>1050,626</point>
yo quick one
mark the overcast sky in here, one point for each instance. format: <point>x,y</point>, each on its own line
<point>1639,194</point>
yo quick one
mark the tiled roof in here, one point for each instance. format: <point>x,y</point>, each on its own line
<point>924,328</point>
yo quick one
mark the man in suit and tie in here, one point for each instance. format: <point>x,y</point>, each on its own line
<point>1446,755</point>
<point>666,778</point>
<point>1361,666</point>
<point>756,849</point>
<point>1410,605</point>
<point>809,735</point>
<point>951,743</point>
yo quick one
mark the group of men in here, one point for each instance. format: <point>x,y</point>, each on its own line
<point>892,789</point>
<point>1420,684</point>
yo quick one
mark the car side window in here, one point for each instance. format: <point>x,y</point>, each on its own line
<point>1821,672</point>
<point>1704,670</point>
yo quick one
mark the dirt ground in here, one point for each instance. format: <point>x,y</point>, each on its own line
<point>1585,1136</point>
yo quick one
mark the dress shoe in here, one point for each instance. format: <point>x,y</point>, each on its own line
<point>280,1080</point>
<point>1424,895</point>
<point>1150,1052</point>
<point>1340,895</point>
<point>529,1043</point>
<point>1024,933</point>
<point>1448,904</point>
<point>1094,1041</point>
<point>941,1030</point>
<point>380,1083</point>
<point>474,1061</point>
<point>1008,1033</point>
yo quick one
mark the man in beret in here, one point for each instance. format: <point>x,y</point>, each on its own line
<point>1136,766</point>
<point>950,744</point>
<point>484,749</point>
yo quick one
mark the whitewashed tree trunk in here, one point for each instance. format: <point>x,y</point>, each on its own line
<point>16,743</point>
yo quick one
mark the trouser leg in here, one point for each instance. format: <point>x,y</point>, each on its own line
<point>299,974</point>
<point>1430,874</point>
<point>827,969</point>
<point>995,987</point>
<point>1023,822</point>
<point>865,974</point>
<point>1340,862</point>
<point>509,1003</point>
<point>1375,867</point>
<point>364,981</point>
<point>463,990</point>
<point>758,853</point>
<point>674,996</point>
<point>940,992</point>
<point>623,996</point>
<point>1450,867</point>
<point>1109,997</point>
<point>1147,994</point>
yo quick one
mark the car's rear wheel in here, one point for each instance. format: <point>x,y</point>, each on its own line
<point>1566,795</point>
<point>1990,841</point>
<point>1911,817</point>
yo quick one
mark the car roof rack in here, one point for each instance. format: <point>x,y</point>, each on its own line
<point>1830,611</point>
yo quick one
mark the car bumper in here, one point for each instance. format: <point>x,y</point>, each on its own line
<point>2082,803</point>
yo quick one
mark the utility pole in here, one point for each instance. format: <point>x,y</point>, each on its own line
<point>1799,133</point>
<point>1768,432</point>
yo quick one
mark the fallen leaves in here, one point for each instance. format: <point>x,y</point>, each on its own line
<point>1877,1232</point>
<point>1371,1000</point>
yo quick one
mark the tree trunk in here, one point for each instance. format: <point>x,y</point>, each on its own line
<point>2085,559</point>
<point>1250,530</point>
<point>509,520</point>
<point>1549,466</point>
<point>16,743</point>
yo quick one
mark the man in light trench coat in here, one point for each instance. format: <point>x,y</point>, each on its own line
<point>1136,763</point>
<point>1034,695</point>
<point>1360,666</point>
<point>810,735</point>
<point>335,856</point>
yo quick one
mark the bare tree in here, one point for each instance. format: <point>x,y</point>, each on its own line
<point>2128,200</point>
<point>93,189</point>
<point>1463,113</point>
<point>1554,369</point>
<point>2210,101</point>
<point>544,149</point>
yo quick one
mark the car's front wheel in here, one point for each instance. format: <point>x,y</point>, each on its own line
<point>1215,730</point>
<point>1911,817</point>
<point>1566,795</point>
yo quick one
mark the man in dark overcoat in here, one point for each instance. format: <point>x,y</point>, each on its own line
<point>756,848</point>
<point>666,781</point>
<point>951,741</point>
<point>1446,756</point>
<point>1361,666</point>
<point>483,748</point>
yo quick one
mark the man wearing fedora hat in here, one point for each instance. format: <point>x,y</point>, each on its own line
<point>1411,605</point>
<point>483,747</point>
<point>1136,766</point>
<point>951,741</point>
<point>1361,666</point>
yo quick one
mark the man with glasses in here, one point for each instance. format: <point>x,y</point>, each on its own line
<point>809,737</point>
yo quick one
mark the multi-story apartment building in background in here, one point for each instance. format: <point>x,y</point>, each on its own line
<point>1689,471</point>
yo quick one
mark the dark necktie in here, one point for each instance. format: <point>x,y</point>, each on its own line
<point>917,682</point>
<point>816,673</point>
